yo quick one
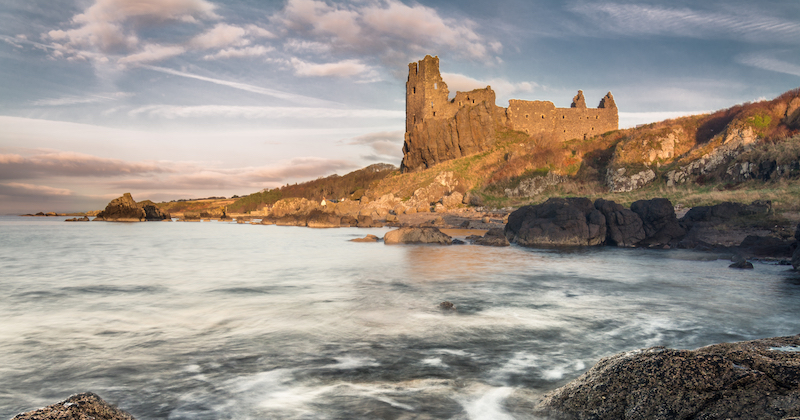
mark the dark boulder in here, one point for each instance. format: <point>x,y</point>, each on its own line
<point>493,237</point>
<point>447,306</point>
<point>766,246</point>
<point>623,226</point>
<point>78,407</point>
<point>748,380</point>
<point>557,222</point>
<point>659,221</point>
<point>724,212</point>
<point>417,235</point>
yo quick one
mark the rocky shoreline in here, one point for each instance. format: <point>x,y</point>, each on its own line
<point>757,379</point>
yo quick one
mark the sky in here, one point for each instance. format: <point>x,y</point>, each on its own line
<point>173,99</point>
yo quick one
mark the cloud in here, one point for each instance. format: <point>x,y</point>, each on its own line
<point>388,28</point>
<point>221,35</point>
<point>503,88</point>
<point>110,26</point>
<point>304,168</point>
<point>383,143</point>
<point>243,86</point>
<point>153,52</point>
<point>60,164</point>
<point>634,19</point>
<point>76,100</point>
<point>260,112</point>
<point>346,68</point>
<point>193,178</point>
<point>256,51</point>
<point>769,63</point>
<point>20,189</point>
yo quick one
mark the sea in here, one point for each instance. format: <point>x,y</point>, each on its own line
<point>217,320</point>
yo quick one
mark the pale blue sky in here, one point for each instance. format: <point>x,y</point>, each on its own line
<point>172,99</point>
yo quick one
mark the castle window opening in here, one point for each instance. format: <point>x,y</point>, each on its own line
<point>434,113</point>
<point>473,101</point>
<point>542,116</point>
<point>415,89</point>
<point>526,115</point>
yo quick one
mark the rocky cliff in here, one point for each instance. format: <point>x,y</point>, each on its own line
<point>718,146</point>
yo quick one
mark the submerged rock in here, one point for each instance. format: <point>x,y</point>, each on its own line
<point>368,238</point>
<point>417,235</point>
<point>77,407</point>
<point>757,379</point>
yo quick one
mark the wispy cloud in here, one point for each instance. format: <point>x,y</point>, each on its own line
<point>345,68</point>
<point>635,19</point>
<point>22,189</point>
<point>244,86</point>
<point>503,88</point>
<point>255,51</point>
<point>60,164</point>
<point>260,112</point>
<point>384,144</point>
<point>769,63</point>
<point>76,100</point>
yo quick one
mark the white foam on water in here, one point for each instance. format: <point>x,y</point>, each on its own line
<point>434,361</point>
<point>791,349</point>
<point>521,362</point>
<point>488,405</point>
<point>350,362</point>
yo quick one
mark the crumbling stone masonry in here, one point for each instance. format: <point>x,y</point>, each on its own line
<point>440,129</point>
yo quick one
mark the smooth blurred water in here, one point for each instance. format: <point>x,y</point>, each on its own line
<point>226,321</point>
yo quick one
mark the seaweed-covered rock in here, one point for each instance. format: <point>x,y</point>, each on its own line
<point>77,407</point>
<point>747,380</point>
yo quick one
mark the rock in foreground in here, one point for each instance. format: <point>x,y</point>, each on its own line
<point>77,407</point>
<point>417,235</point>
<point>748,380</point>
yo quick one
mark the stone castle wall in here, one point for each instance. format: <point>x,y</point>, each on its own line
<point>439,128</point>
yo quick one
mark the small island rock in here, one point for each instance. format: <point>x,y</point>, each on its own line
<point>417,235</point>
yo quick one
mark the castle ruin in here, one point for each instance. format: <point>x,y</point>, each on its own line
<point>440,129</point>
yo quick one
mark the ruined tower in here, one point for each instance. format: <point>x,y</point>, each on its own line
<point>440,129</point>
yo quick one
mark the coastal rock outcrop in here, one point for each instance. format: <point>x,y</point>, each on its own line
<point>757,379</point>
<point>126,209</point>
<point>623,227</point>
<point>417,235</point>
<point>493,237</point>
<point>660,224</point>
<point>557,222</point>
<point>77,407</point>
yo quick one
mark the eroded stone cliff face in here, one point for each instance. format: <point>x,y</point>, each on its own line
<point>472,130</point>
